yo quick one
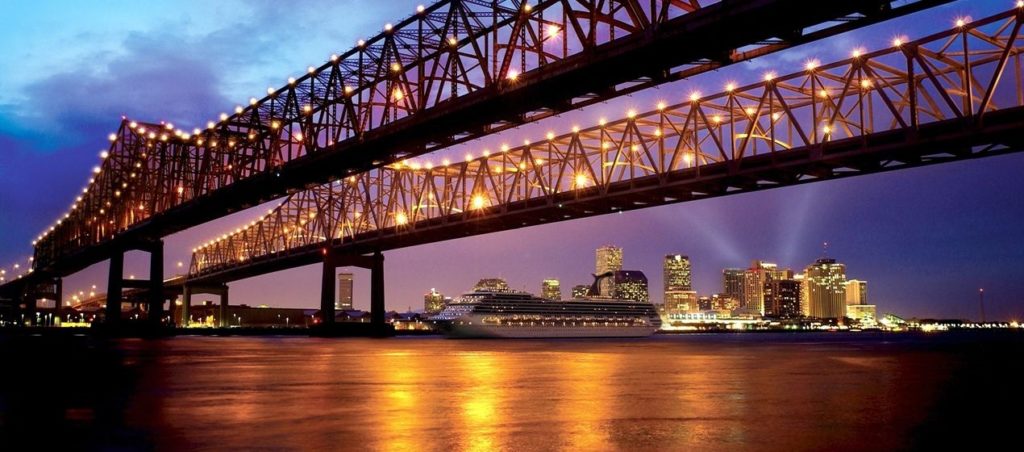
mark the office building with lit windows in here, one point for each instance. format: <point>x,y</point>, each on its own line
<point>608,259</point>
<point>345,283</point>
<point>826,289</point>
<point>782,299</point>
<point>551,289</point>
<point>677,272</point>
<point>580,291</point>
<point>630,285</point>
<point>433,302</point>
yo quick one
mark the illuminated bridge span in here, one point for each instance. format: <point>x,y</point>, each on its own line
<point>453,71</point>
<point>950,96</point>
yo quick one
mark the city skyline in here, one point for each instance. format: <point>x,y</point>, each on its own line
<point>924,242</point>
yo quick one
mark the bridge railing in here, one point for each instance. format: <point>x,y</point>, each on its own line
<point>965,72</point>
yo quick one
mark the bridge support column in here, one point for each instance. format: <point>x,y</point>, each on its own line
<point>115,282</point>
<point>223,314</point>
<point>327,289</point>
<point>377,290</point>
<point>28,299</point>
<point>156,284</point>
<point>186,303</point>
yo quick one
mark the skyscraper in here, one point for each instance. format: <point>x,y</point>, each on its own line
<point>630,285</point>
<point>433,302</point>
<point>732,284</point>
<point>754,280</point>
<point>344,302</point>
<point>826,289</point>
<point>677,272</point>
<point>782,298</point>
<point>856,292</point>
<point>551,289</point>
<point>609,259</point>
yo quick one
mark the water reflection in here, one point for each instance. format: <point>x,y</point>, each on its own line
<point>430,394</point>
<point>586,396</point>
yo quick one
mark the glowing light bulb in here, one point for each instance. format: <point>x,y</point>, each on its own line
<point>553,30</point>
<point>694,97</point>
<point>513,74</point>
<point>812,65</point>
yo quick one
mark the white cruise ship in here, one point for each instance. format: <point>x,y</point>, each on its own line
<point>515,314</point>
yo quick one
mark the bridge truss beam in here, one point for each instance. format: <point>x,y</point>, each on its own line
<point>454,71</point>
<point>950,96</point>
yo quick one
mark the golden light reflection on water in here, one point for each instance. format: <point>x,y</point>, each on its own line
<point>429,394</point>
<point>480,397</point>
<point>400,374</point>
<point>587,398</point>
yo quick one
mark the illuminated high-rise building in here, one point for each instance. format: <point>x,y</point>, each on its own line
<point>856,292</point>
<point>630,285</point>
<point>345,283</point>
<point>580,291</point>
<point>609,259</point>
<point>550,289</point>
<point>433,302</point>
<point>826,289</point>
<point>782,298</point>
<point>754,279</point>
<point>732,283</point>
<point>677,272</point>
<point>491,284</point>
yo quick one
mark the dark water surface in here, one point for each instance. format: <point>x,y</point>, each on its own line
<point>722,391</point>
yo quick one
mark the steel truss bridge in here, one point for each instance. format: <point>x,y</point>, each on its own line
<point>356,128</point>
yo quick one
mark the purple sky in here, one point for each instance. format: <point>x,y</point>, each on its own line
<point>924,239</point>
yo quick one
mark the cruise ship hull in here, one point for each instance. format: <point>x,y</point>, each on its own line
<point>466,331</point>
<point>513,314</point>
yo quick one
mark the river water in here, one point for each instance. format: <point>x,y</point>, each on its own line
<point>841,391</point>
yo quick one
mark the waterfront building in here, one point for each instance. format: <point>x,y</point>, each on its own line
<point>677,272</point>
<point>345,283</point>
<point>724,302</point>
<point>608,259</point>
<point>732,283</point>
<point>630,285</point>
<point>580,291</point>
<point>826,291</point>
<point>433,302</point>
<point>704,304</point>
<point>856,292</point>
<point>805,297</point>
<point>782,298</point>
<point>681,302</point>
<point>551,290</point>
<point>866,314</point>
<point>490,285</point>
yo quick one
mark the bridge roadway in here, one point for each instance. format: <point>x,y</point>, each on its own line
<point>955,95</point>
<point>270,149</point>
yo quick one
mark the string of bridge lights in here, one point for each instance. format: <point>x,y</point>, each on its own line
<point>197,135</point>
<point>694,96</point>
